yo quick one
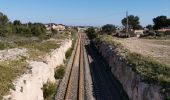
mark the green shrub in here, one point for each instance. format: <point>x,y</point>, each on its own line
<point>49,90</point>
<point>91,33</point>
<point>68,53</point>
<point>59,73</point>
<point>2,46</point>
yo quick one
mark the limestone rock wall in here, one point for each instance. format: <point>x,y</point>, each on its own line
<point>29,86</point>
<point>131,81</point>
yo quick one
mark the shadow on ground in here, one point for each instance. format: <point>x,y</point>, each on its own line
<point>105,85</point>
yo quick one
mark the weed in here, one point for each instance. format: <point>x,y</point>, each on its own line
<point>68,53</point>
<point>59,73</point>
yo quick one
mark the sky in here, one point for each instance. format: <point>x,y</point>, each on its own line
<point>83,12</point>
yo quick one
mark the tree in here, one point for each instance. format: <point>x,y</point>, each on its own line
<point>38,29</point>
<point>160,22</point>
<point>149,27</point>
<point>91,33</point>
<point>4,24</point>
<point>3,19</point>
<point>108,29</point>
<point>133,22</point>
<point>17,22</point>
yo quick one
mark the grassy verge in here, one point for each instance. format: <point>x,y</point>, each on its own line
<point>61,35</point>
<point>70,50</point>
<point>38,49</point>
<point>9,70</point>
<point>153,71</point>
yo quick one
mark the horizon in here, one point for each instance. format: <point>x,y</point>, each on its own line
<point>84,13</point>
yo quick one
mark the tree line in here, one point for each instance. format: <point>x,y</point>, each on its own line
<point>16,27</point>
<point>133,23</point>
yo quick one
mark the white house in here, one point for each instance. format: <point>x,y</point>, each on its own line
<point>138,33</point>
<point>58,27</point>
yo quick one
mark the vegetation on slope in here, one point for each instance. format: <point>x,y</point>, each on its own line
<point>37,41</point>
<point>59,72</point>
<point>49,90</point>
<point>153,71</point>
<point>9,70</point>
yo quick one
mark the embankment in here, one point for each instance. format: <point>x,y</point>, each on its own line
<point>132,82</point>
<point>29,86</point>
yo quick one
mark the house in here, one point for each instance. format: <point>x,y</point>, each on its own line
<point>138,33</point>
<point>164,29</point>
<point>58,27</point>
<point>47,26</point>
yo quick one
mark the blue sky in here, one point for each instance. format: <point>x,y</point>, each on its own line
<point>83,12</point>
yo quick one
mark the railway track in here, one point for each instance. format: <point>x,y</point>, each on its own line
<point>87,77</point>
<point>76,82</point>
<point>73,84</point>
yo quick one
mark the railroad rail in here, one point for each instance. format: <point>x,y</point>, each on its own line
<point>73,84</point>
<point>88,77</point>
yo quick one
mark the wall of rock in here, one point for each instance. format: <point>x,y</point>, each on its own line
<point>131,81</point>
<point>29,86</point>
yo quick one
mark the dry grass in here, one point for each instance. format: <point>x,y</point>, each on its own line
<point>9,70</point>
<point>139,54</point>
<point>157,49</point>
<point>37,49</point>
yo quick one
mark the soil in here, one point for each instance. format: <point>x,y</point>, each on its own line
<point>157,49</point>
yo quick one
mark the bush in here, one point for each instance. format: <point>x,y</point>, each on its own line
<point>49,90</point>
<point>108,29</point>
<point>91,33</point>
<point>2,46</point>
<point>59,73</point>
<point>68,53</point>
<point>121,35</point>
<point>32,29</point>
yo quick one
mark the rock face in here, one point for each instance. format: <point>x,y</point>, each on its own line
<point>131,81</point>
<point>28,86</point>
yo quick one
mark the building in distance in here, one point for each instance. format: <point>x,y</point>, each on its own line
<point>58,27</point>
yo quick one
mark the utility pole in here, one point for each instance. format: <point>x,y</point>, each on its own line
<point>50,26</point>
<point>27,24</point>
<point>127,23</point>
